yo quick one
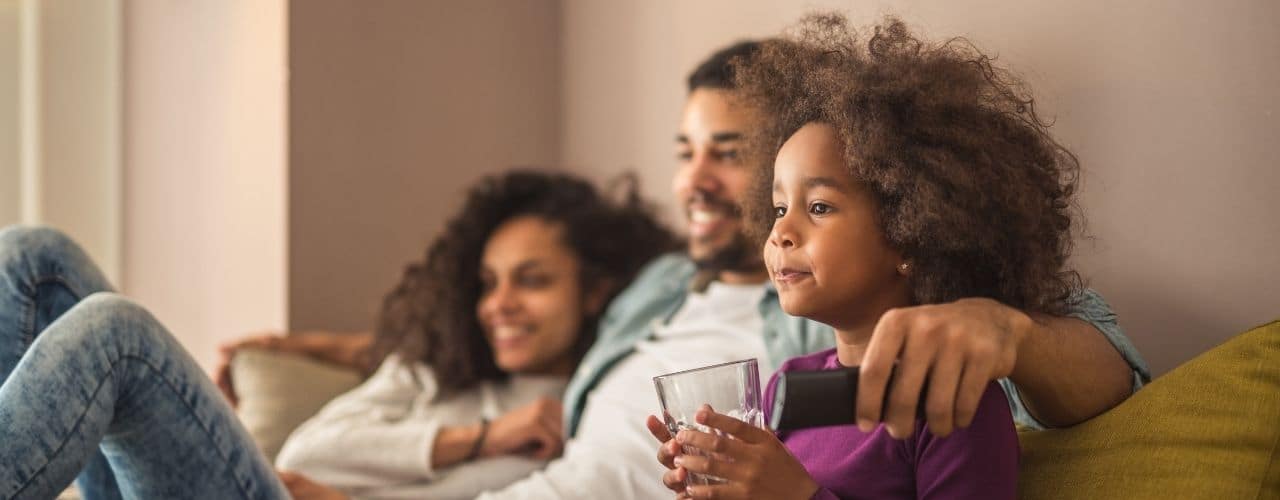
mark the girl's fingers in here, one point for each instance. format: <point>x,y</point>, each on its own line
<point>657,429</point>
<point>729,491</point>
<point>737,428</point>
<point>711,443</point>
<point>698,464</point>
<point>674,479</point>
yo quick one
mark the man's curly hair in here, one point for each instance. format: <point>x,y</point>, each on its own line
<point>969,185</point>
<point>430,316</point>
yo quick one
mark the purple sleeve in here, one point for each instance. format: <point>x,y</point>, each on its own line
<point>824,494</point>
<point>979,462</point>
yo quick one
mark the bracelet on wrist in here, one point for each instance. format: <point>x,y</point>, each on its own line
<point>479,443</point>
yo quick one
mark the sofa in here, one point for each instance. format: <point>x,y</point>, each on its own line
<point>1208,429</point>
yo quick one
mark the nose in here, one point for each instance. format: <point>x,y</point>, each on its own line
<point>697,175</point>
<point>783,234</point>
<point>498,301</point>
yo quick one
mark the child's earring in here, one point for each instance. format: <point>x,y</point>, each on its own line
<point>904,268</point>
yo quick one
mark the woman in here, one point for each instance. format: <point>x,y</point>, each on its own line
<point>896,173</point>
<point>481,348</point>
<point>94,386</point>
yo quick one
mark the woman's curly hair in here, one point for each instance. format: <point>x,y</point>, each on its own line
<point>969,185</point>
<point>430,316</point>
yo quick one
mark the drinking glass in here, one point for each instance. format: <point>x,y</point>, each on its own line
<point>731,389</point>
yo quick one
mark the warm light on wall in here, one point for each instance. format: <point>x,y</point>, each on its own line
<point>29,111</point>
<point>64,67</point>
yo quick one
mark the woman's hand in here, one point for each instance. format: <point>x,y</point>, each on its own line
<point>753,461</point>
<point>535,429</point>
<point>302,488</point>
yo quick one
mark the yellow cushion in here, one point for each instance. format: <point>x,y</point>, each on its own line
<point>1208,429</point>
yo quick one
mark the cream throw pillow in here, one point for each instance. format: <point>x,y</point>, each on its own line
<point>279,391</point>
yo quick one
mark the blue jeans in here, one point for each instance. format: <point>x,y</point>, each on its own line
<point>94,387</point>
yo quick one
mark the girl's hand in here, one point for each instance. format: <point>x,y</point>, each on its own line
<point>674,477</point>
<point>535,430</point>
<point>754,462</point>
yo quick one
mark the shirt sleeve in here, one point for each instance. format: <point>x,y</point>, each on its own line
<point>978,462</point>
<point>373,435</point>
<point>1089,307</point>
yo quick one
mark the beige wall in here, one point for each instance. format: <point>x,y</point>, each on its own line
<point>10,45</point>
<point>1171,106</point>
<point>60,120</point>
<point>205,172</point>
<point>79,125</point>
<point>395,107</point>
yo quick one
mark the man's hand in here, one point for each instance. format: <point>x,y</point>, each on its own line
<point>535,429</point>
<point>754,463</point>
<point>959,347</point>
<point>302,488</point>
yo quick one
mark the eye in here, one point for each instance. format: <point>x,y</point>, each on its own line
<point>684,155</point>
<point>779,211</point>
<point>729,155</point>
<point>819,208</point>
<point>534,280</point>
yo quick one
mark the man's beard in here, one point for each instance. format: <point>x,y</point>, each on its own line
<point>739,255</point>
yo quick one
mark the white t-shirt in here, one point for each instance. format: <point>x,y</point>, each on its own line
<point>613,454</point>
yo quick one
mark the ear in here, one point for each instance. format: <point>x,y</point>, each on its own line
<point>593,301</point>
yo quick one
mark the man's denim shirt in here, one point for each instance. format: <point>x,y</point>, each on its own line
<point>660,290</point>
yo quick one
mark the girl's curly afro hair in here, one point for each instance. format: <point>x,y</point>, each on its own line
<point>969,184</point>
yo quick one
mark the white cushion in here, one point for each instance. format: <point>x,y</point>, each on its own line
<point>278,391</point>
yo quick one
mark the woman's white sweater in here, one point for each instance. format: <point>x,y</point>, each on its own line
<point>375,442</point>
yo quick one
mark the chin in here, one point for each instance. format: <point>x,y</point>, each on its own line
<point>704,250</point>
<point>801,308</point>
<point>791,305</point>
<point>513,364</point>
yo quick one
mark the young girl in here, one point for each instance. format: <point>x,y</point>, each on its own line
<point>896,173</point>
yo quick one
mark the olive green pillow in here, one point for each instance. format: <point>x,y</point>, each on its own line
<point>280,391</point>
<point>1208,429</point>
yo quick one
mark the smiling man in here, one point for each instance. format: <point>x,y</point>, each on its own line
<point>708,148</point>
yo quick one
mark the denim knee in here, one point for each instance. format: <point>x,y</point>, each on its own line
<point>22,244</point>
<point>109,316</point>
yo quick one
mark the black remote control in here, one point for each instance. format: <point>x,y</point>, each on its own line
<point>804,399</point>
